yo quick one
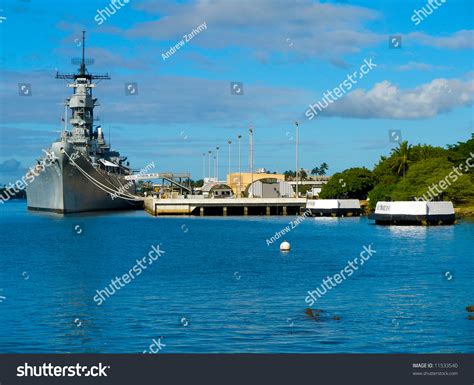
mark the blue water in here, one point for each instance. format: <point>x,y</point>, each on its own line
<point>220,288</point>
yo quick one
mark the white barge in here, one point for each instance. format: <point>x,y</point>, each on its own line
<point>334,207</point>
<point>414,213</point>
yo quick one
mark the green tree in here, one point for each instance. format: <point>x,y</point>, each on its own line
<point>420,177</point>
<point>458,153</point>
<point>412,171</point>
<point>352,183</point>
<point>303,175</point>
<point>462,191</point>
<point>381,192</point>
<point>289,175</point>
<point>425,151</point>
<point>383,172</point>
<point>197,183</point>
<point>323,168</point>
<point>400,158</point>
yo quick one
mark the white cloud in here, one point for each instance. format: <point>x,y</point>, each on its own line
<point>163,101</point>
<point>416,66</point>
<point>386,100</point>
<point>329,31</point>
<point>463,39</point>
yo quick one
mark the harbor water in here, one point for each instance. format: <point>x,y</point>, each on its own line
<point>221,285</point>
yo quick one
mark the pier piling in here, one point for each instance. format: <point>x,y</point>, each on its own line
<point>224,206</point>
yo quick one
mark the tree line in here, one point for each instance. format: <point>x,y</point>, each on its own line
<point>303,175</point>
<point>406,173</point>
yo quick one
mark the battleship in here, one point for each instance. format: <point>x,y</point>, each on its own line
<point>83,172</point>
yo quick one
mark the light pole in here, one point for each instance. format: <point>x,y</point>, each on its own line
<point>203,166</point>
<point>210,152</point>
<point>217,163</point>
<point>229,142</point>
<point>297,169</point>
<point>251,158</point>
<point>240,172</point>
<point>214,167</point>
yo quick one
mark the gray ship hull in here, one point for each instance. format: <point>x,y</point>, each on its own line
<point>62,188</point>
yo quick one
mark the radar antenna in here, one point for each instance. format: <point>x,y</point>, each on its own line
<point>83,73</point>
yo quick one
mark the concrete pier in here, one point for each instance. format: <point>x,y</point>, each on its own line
<point>225,206</point>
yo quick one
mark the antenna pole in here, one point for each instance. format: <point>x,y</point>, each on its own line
<point>83,64</point>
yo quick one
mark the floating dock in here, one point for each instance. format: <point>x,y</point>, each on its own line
<point>414,213</point>
<point>334,207</point>
<point>224,206</point>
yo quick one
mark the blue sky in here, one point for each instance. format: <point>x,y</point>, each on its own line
<point>286,53</point>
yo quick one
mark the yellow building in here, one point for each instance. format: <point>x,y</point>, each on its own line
<point>240,182</point>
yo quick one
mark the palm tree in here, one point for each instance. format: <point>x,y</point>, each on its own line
<point>303,174</point>
<point>289,175</point>
<point>315,171</point>
<point>323,168</point>
<point>425,152</point>
<point>401,158</point>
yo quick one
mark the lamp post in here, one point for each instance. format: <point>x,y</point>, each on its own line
<point>240,172</point>
<point>229,142</point>
<point>297,169</point>
<point>203,166</point>
<point>217,164</point>
<point>251,158</point>
<point>214,167</point>
<point>210,152</point>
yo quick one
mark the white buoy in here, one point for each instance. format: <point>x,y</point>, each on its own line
<point>285,246</point>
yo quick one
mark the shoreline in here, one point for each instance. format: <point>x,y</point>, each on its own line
<point>466,211</point>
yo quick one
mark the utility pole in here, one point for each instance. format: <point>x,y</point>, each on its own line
<point>229,142</point>
<point>251,158</point>
<point>210,152</point>
<point>214,167</point>
<point>217,164</point>
<point>240,172</point>
<point>297,167</point>
<point>203,166</point>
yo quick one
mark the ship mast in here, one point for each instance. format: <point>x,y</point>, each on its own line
<point>81,102</point>
<point>83,63</point>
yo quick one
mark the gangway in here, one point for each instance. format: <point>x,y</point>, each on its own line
<point>173,178</point>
